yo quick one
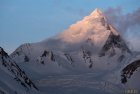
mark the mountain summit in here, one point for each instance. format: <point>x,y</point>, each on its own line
<point>96,31</point>
<point>90,26</point>
<point>96,13</point>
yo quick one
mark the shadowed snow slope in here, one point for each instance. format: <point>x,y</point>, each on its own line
<point>13,80</point>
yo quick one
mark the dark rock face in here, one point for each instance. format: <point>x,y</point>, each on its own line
<point>114,41</point>
<point>52,56</point>
<point>3,53</point>
<point>87,57</point>
<point>12,67</point>
<point>69,58</point>
<point>128,71</point>
<point>26,59</point>
<point>47,54</point>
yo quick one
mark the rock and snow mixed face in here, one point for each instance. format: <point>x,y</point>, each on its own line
<point>13,79</point>
<point>89,44</point>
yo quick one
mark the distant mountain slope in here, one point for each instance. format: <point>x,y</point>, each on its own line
<point>13,76</point>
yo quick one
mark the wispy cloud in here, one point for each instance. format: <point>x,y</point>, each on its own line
<point>128,24</point>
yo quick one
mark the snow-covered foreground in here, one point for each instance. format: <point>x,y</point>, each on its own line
<point>88,83</point>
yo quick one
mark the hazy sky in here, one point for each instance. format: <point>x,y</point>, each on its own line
<point>23,21</point>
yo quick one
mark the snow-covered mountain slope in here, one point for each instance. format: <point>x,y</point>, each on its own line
<point>13,80</point>
<point>86,44</point>
<point>91,45</point>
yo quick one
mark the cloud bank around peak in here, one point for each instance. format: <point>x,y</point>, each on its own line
<point>127,23</point>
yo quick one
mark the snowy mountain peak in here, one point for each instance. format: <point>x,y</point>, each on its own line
<point>97,13</point>
<point>93,26</point>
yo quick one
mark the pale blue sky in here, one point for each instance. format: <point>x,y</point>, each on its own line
<point>23,21</point>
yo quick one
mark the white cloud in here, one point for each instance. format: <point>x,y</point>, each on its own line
<point>128,24</point>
